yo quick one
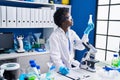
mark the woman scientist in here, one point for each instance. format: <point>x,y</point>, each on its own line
<point>63,41</point>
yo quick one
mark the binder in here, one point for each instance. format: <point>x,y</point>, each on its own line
<point>11,16</point>
<point>0,17</point>
<point>27,17</point>
<point>3,16</point>
<point>19,17</point>
<point>36,11</point>
<point>45,16</point>
<point>40,18</point>
<point>48,14</point>
<point>32,20</point>
<point>24,17</point>
<point>51,17</point>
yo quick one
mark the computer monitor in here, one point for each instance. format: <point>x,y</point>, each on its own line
<point>6,41</point>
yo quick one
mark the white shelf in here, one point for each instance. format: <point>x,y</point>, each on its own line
<point>16,55</point>
<point>27,4</point>
<point>47,30</point>
<point>24,4</point>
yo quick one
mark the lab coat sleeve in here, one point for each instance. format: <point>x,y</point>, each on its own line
<point>55,52</point>
<point>76,63</point>
<point>85,38</point>
<point>77,42</point>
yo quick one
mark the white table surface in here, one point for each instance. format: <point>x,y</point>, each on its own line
<point>87,75</point>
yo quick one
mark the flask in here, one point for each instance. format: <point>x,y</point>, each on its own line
<point>115,61</point>
<point>90,19</point>
<point>90,22</point>
<point>90,25</point>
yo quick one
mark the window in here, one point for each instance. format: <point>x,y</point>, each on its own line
<point>107,29</point>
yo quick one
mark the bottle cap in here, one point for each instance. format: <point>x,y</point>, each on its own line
<point>115,55</point>
<point>38,67</point>
<point>52,67</point>
<point>32,61</point>
<point>33,65</point>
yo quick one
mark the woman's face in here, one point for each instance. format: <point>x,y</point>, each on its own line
<point>68,22</point>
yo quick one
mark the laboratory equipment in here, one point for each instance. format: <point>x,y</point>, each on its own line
<point>27,45</point>
<point>29,42</point>
<point>38,69</point>
<point>88,61</point>
<point>50,73</point>
<point>31,39</point>
<point>115,61</point>
<point>119,53</point>
<point>108,68</point>
<point>9,71</point>
<point>47,46</point>
<point>23,76</point>
<point>32,72</point>
<point>21,48</point>
<point>55,1</point>
<point>37,36</point>
<point>108,75</point>
<point>115,64</point>
<point>119,49</point>
<point>90,25</point>
<point>51,1</point>
<point>15,44</point>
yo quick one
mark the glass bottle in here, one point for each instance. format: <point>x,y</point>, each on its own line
<point>115,61</point>
<point>32,72</point>
<point>119,55</point>
<point>50,73</point>
<point>39,71</point>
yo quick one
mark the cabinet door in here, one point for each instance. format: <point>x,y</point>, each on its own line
<point>41,59</point>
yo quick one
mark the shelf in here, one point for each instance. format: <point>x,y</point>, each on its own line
<point>16,55</point>
<point>47,30</point>
<point>24,4</point>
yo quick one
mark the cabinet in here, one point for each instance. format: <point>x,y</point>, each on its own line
<point>41,58</point>
<point>20,14</point>
<point>23,14</point>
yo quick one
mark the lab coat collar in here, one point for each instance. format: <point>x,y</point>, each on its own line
<point>63,30</point>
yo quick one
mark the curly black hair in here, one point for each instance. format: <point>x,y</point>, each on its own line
<point>59,16</point>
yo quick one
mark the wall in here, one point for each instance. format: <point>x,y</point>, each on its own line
<point>80,13</point>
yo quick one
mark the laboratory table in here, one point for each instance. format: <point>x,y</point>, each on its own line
<point>87,75</point>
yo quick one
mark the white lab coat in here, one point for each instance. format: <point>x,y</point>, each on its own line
<point>60,53</point>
